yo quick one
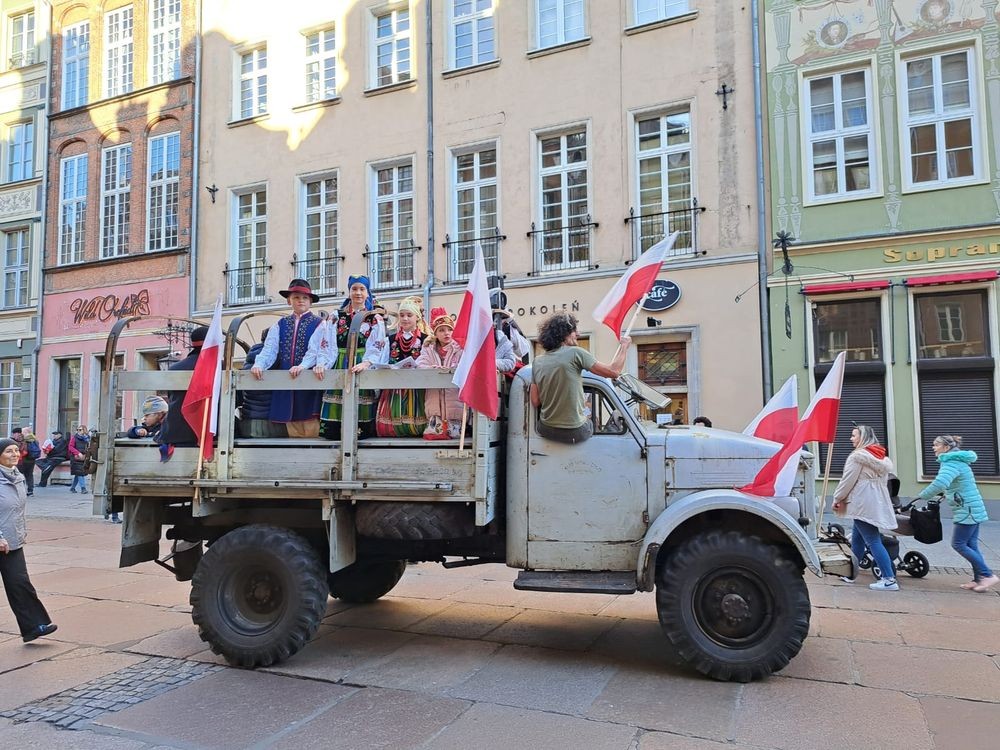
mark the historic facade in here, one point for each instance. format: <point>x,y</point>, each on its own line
<point>24,72</point>
<point>120,152</point>
<point>884,164</point>
<point>564,137</point>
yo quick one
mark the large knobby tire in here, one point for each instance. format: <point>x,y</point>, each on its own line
<point>733,606</point>
<point>414,521</point>
<point>366,580</point>
<point>258,595</point>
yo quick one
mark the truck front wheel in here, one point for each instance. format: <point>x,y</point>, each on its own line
<point>366,580</point>
<point>733,606</point>
<point>258,595</point>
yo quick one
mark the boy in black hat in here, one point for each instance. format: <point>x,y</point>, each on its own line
<point>298,342</point>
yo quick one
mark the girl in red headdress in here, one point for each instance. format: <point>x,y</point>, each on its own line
<point>441,405</point>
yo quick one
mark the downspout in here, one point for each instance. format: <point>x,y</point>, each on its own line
<point>762,243</point>
<point>195,158</point>
<point>429,31</point>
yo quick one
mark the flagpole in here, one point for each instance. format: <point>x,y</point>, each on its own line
<point>461,435</point>
<point>631,321</point>
<point>201,448</point>
<point>826,482</point>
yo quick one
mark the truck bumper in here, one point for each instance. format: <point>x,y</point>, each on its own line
<point>835,561</point>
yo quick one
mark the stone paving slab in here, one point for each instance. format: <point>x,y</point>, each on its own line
<point>665,741</point>
<point>635,642</point>
<point>962,724</point>
<point>179,643</point>
<point>155,591</point>
<point>535,627</point>
<point>14,654</point>
<point>487,727</point>
<point>823,659</point>
<point>880,627</point>
<point>928,671</point>
<point>54,604</point>
<point>106,623</point>
<point>342,651</point>
<point>40,736</point>
<point>389,613</point>
<point>376,718</point>
<point>942,632</point>
<point>75,580</point>
<point>462,620</point>
<point>429,586</point>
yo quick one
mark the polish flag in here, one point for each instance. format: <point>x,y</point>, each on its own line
<point>779,417</point>
<point>633,286</point>
<point>476,374</point>
<point>201,403</point>
<point>819,422</point>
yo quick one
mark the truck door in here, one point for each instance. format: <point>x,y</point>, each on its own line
<point>591,492</point>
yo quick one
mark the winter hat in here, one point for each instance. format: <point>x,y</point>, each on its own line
<point>5,443</point>
<point>440,317</point>
<point>351,281</point>
<point>153,404</point>
<point>198,338</point>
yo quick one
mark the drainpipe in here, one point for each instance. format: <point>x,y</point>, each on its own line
<point>429,31</point>
<point>195,158</point>
<point>762,244</point>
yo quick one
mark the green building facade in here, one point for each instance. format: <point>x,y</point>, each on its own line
<point>883,152</point>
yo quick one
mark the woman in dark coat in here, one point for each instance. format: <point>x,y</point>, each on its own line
<point>32,619</point>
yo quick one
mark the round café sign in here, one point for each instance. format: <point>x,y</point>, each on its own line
<point>663,296</point>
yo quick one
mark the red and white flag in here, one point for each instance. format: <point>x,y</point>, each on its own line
<point>779,417</point>
<point>476,374</point>
<point>633,286</point>
<point>206,382</point>
<point>819,422</point>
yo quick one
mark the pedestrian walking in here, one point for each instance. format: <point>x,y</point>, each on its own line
<point>58,453</point>
<point>30,453</point>
<point>77,449</point>
<point>863,495</point>
<point>32,619</point>
<point>956,481</point>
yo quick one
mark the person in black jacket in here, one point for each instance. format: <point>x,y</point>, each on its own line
<point>176,431</point>
<point>57,455</point>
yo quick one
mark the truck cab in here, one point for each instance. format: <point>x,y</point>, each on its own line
<point>268,528</point>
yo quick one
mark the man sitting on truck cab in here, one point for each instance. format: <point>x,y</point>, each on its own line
<point>557,379</point>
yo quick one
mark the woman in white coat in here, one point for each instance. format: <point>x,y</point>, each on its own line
<point>863,495</point>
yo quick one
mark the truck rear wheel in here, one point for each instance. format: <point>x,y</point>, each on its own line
<point>258,595</point>
<point>414,521</point>
<point>366,580</point>
<point>733,606</point>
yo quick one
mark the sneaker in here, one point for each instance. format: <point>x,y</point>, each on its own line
<point>39,631</point>
<point>845,579</point>
<point>115,519</point>
<point>884,584</point>
<point>73,490</point>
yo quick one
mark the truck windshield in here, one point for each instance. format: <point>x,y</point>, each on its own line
<point>634,391</point>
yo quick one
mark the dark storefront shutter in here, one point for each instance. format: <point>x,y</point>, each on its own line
<point>862,401</point>
<point>959,403</point>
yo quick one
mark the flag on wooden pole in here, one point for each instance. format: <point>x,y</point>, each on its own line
<point>476,374</point>
<point>780,416</point>
<point>632,286</point>
<point>201,402</point>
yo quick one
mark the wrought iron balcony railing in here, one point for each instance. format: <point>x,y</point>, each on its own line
<point>20,59</point>
<point>648,229</point>
<point>563,247</point>
<point>247,284</point>
<point>391,267</point>
<point>322,271</point>
<point>462,255</point>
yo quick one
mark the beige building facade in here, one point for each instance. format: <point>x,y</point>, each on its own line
<point>563,137</point>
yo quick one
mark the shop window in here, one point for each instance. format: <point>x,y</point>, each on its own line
<point>10,395</point>
<point>955,377</point>
<point>68,407</point>
<point>852,326</point>
<point>664,367</point>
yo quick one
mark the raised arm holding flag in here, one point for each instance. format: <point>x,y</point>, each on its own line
<point>634,286</point>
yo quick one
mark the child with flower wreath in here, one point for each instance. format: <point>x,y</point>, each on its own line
<point>401,410</point>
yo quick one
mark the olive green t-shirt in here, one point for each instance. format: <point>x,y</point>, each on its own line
<point>558,375</point>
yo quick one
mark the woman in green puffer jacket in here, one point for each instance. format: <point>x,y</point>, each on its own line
<point>956,481</point>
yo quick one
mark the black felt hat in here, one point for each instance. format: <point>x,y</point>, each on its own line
<point>300,286</point>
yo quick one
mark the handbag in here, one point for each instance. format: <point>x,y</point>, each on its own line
<point>926,523</point>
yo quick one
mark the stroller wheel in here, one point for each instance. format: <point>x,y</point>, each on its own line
<point>836,528</point>
<point>916,564</point>
<point>865,562</point>
<point>877,572</point>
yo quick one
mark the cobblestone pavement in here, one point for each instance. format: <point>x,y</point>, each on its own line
<point>459,659</point>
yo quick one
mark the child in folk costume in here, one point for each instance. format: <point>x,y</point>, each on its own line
<point>441,405</point>
<point>401,410</point>
<point>373,348</point>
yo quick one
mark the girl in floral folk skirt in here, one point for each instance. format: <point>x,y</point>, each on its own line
<point>401,410</point>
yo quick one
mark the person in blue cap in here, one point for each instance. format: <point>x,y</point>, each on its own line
<point>373,348</point>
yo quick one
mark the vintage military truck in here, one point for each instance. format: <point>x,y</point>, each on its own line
<point>286,522</point>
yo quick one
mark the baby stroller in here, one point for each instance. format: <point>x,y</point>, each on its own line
<point>914,563</point>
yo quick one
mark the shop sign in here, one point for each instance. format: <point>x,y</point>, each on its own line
<point>663,296</point>
<point>104,308</point>
<point>941,252</point>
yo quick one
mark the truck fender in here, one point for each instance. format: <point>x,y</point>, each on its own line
<point>708,500</point>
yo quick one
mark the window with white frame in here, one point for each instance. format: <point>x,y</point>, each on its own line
<point>72,208</point>
<point>473,41</point>
<point>22,39</point>
<point>474,206</point>
<point>164,40</point>
<point>321,65</point>
<point>247,279</point>
<point>664,171</point>
<point>10,394</point>
<point>118,51</point>
<point>650,11</point>
<point>391,46</point>
<point>21,151</point>
<point>16,247</point>
<point>76,65</point>
<point>391,265</point>
<point>163,191</point>
<point>564,238</point>
<point>839,142</point>
<point>253,83</point>
<point>319,258</point>
<point>941,138</point>
<point>558,22</point>
<point>116,199</point>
